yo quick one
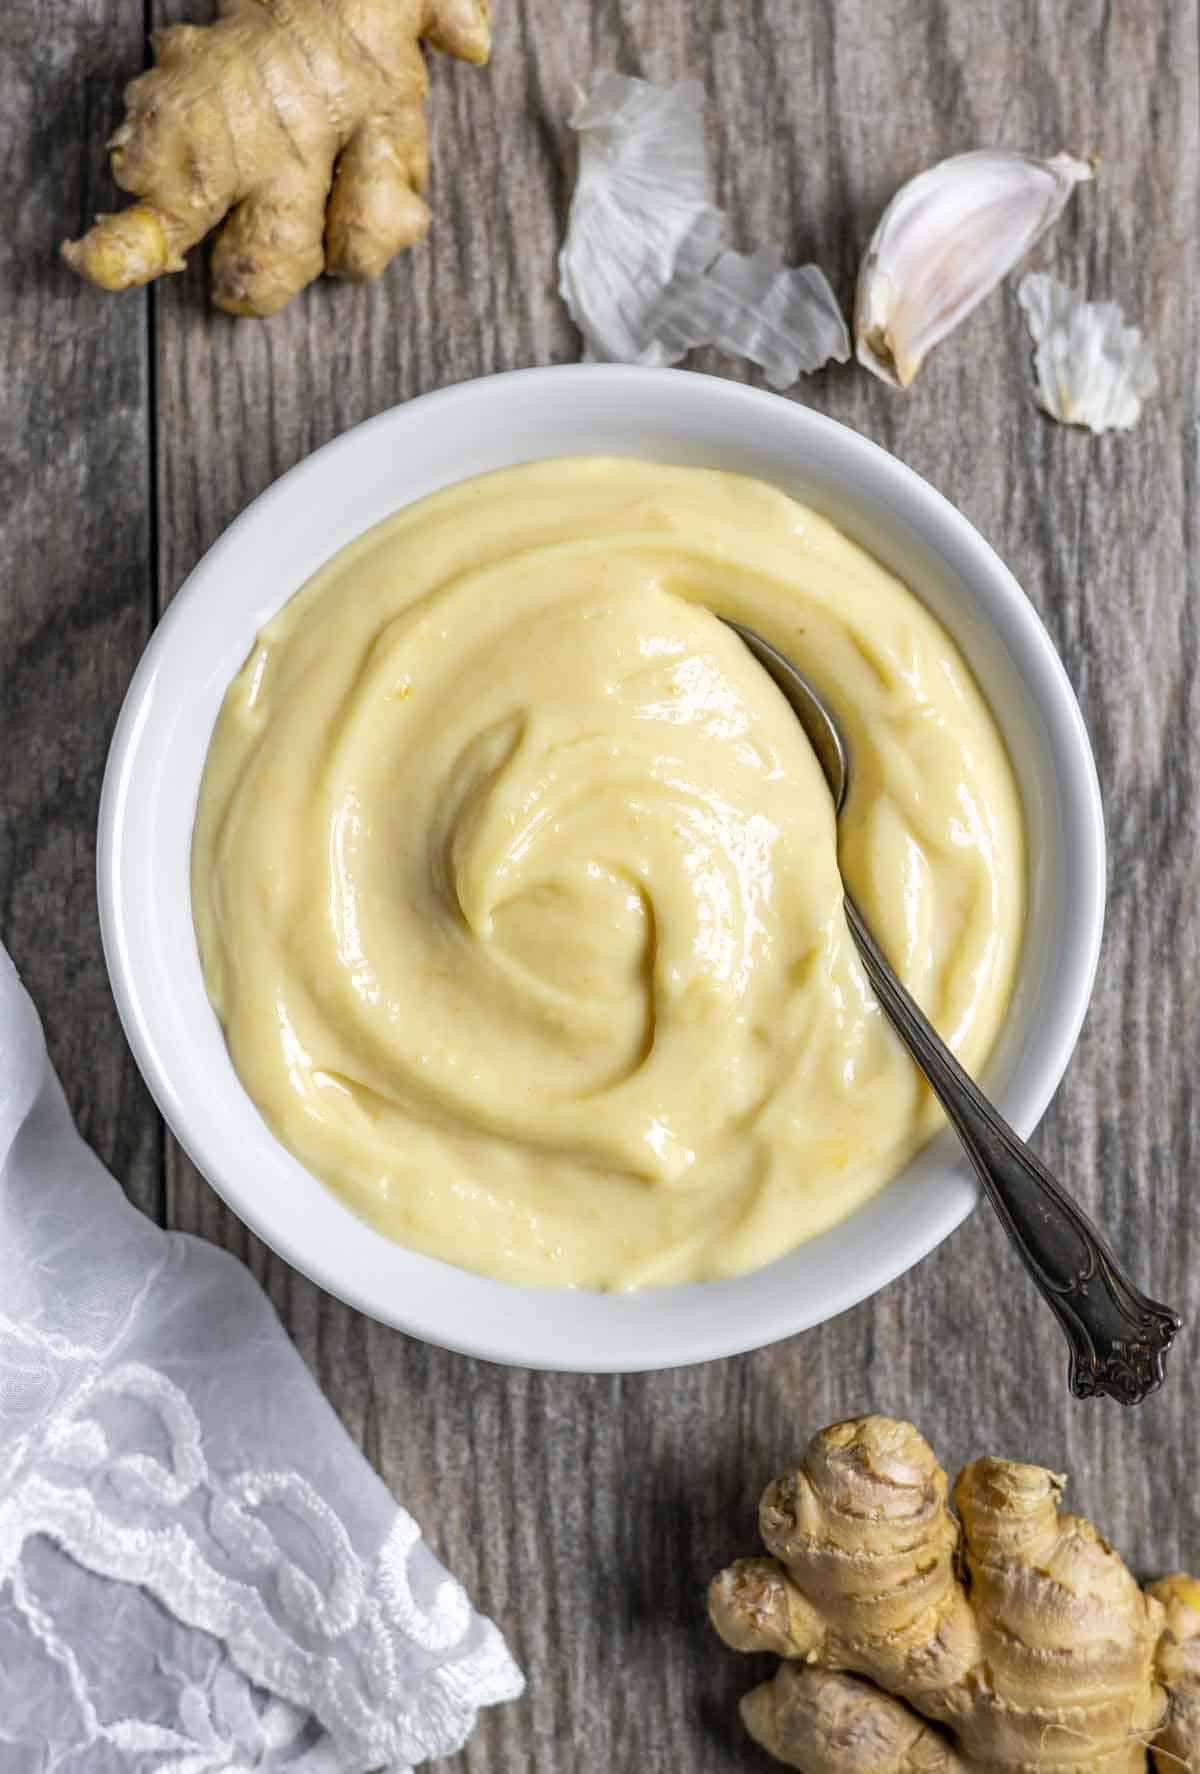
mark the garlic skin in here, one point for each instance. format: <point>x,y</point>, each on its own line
<point>1092,368</point>
<point>944,242</point>
<point>637,268</point>
<point>640,215</point>
<point>785,319</point>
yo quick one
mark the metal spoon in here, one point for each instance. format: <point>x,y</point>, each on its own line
<point>1118,1337</point>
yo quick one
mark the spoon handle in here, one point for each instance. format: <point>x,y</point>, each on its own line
<point>1118,1337</point>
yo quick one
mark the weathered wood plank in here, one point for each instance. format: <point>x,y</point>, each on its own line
<point>76,597</point>
<point>588,1513</point>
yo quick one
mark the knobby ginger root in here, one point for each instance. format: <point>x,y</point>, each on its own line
<point>1009,1637</point>
<point>303,121</point>
<point>1178,1668</point>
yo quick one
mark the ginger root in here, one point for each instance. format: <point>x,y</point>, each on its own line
<point>1178,1668</point>
<point>303,121</point>
<point>1009,1637</point>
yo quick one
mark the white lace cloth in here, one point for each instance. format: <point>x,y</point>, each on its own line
<point>199,1573</point>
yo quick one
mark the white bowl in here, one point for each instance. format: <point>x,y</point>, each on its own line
<point>158,754</point>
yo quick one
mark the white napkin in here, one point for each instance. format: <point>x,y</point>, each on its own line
<point>198,1570</point>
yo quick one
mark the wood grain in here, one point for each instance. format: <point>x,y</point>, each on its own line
<point>586,1514</point>
<point>76,597</point>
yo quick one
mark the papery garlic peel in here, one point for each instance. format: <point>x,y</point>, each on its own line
<point>640,216</point>
<point>944,242</point>
<point>784,318</point>
<point>1092,368</point>
<point>639,268</point>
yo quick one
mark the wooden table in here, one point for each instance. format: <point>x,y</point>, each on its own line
<point>586,1514</point>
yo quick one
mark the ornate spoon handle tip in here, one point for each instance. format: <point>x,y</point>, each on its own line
<point>1118,1336</point>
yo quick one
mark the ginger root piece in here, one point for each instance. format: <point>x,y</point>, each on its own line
<point>1178,1666</point>
<point>1008,1638</point>
<point>300,120</point>
<point>818,1718</point>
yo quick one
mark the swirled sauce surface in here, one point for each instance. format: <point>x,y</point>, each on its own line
<point>515,879</point>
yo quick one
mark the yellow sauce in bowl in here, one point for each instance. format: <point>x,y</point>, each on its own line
<point>516,883</point>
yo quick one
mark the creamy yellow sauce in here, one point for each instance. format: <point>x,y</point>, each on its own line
<point>515,879</point>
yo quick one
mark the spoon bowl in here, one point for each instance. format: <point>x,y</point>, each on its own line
<point>820,728</point>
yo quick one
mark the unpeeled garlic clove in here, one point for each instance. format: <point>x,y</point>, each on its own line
<point>1092,368</point>
<point>944,242</point>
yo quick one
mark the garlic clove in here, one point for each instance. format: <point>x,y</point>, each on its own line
<point>1091,368</point>
<point>944,242</point>
<point>785,319</point>
<point>640,216</point>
